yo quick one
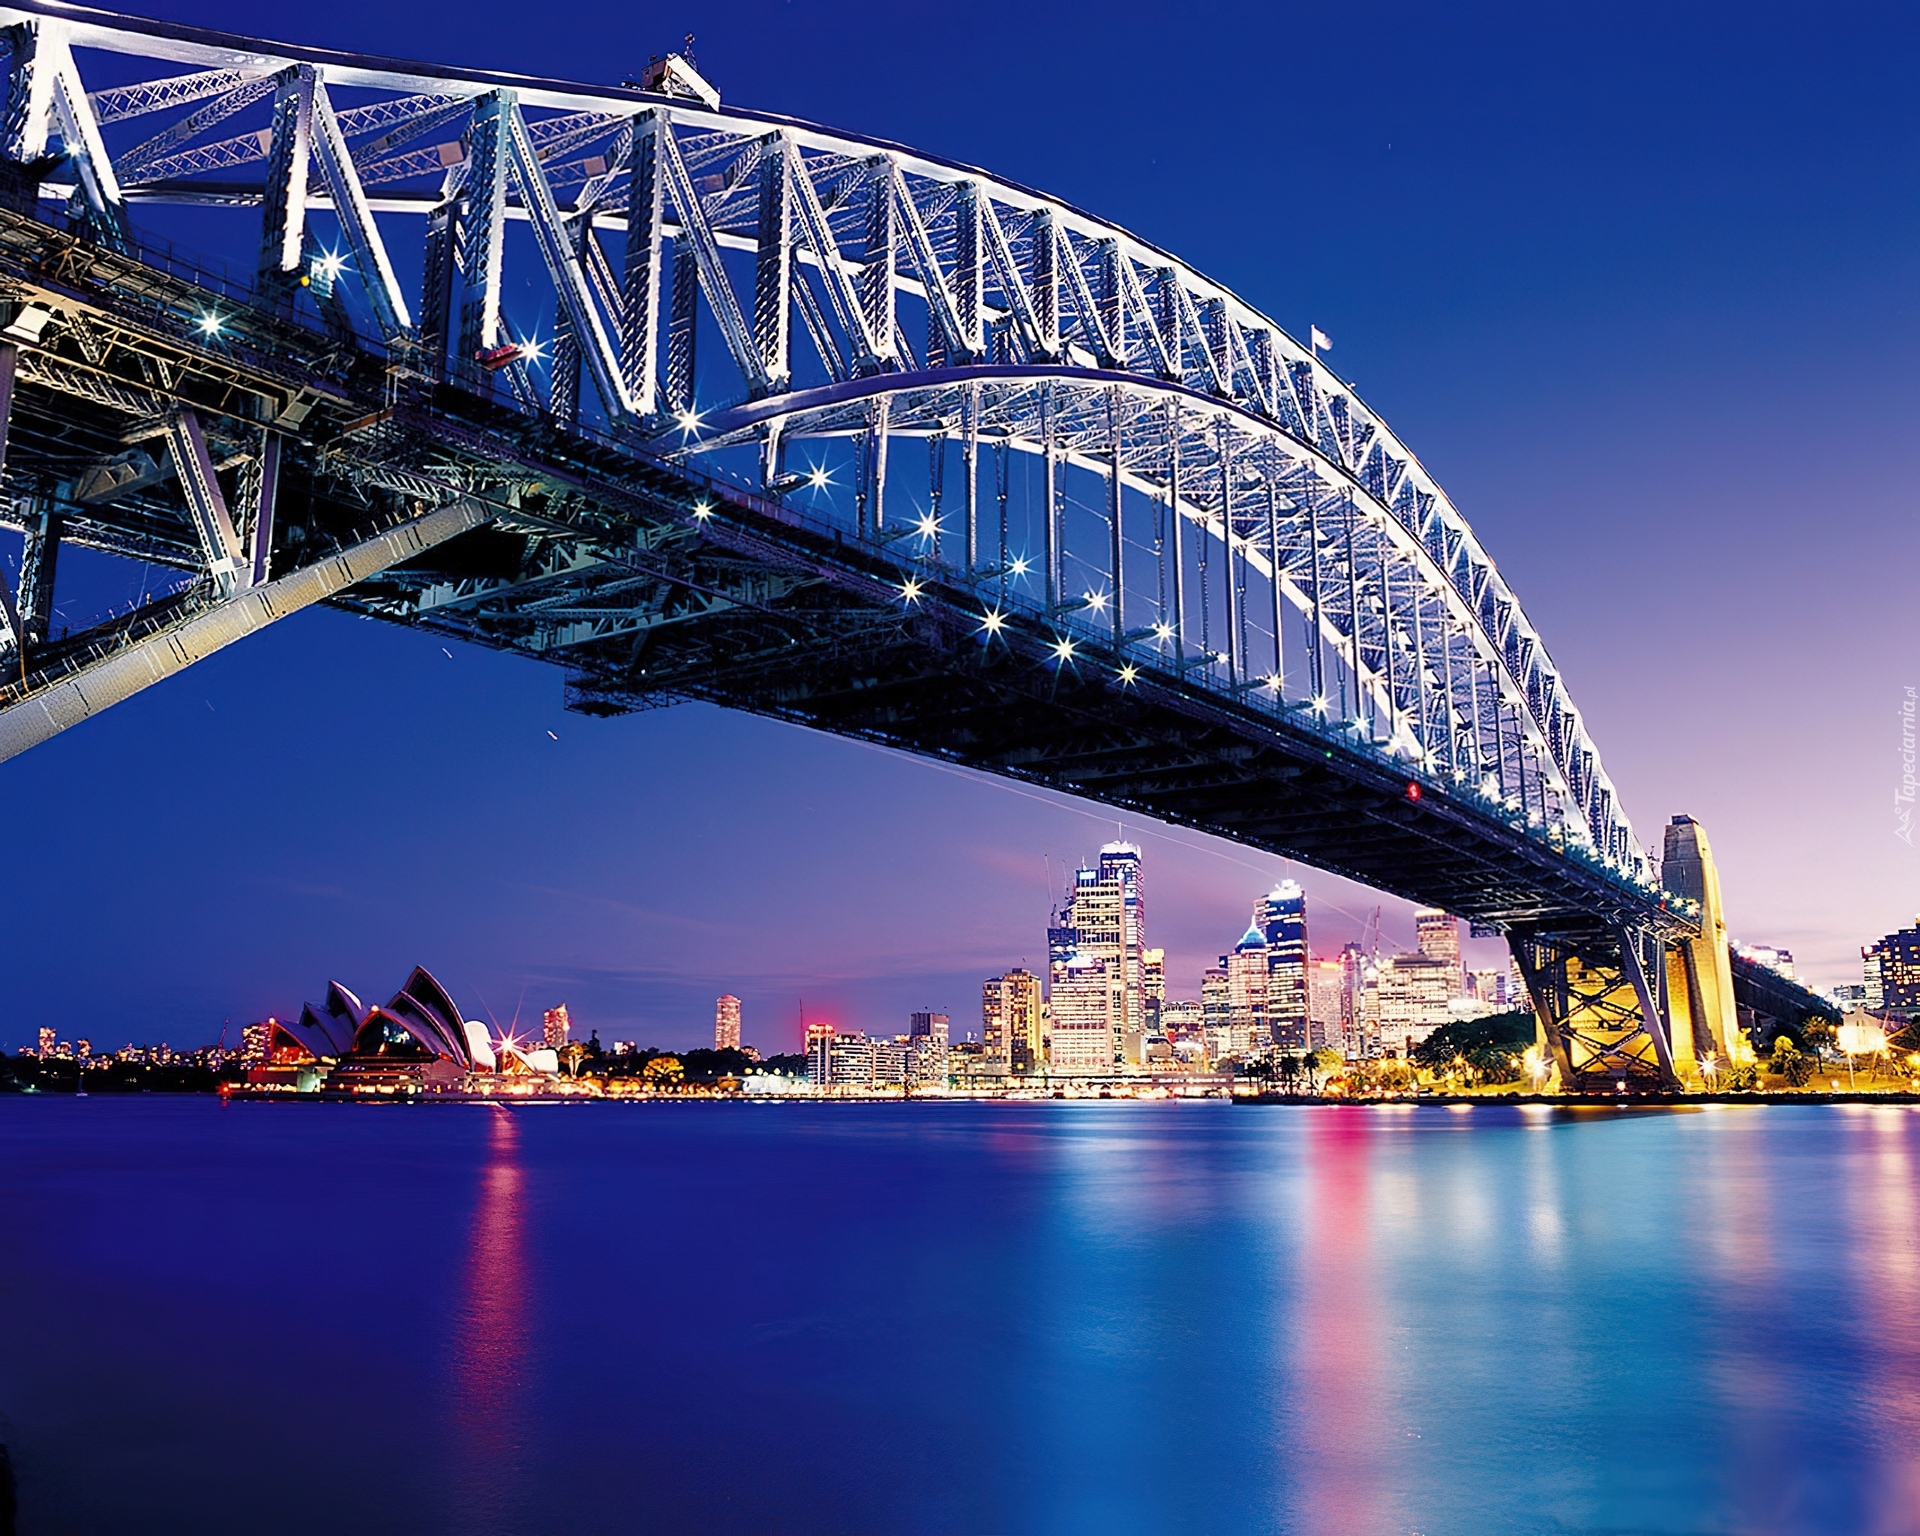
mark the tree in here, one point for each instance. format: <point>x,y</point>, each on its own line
<point>1511,1032</point>
<point>1494,1064</point>
<point>573,1053</point>
<point>708,1065</point>
<point>1792,1063</point>
<point>663,1072</point>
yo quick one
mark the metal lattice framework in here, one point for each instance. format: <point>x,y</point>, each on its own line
<point>962,397</point>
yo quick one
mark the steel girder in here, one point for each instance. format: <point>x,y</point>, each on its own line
<point>144,654</point>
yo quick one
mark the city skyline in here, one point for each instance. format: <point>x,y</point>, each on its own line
<point>1515,349</point>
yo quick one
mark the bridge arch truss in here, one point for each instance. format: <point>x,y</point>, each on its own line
<point>976,391</point>
<point>718,278</point>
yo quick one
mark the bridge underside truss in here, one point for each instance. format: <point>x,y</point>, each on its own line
<point>1594,999</point>
<point>804,424</point>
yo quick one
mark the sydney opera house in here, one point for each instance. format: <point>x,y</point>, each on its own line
<point>414,1042</point>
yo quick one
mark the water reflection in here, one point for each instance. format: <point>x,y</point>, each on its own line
<point>491,1346</point>
<point>1745,1311</point>
<point>1046,1319</point>
<point>1883,1211</point>
<point>1338,1459</point>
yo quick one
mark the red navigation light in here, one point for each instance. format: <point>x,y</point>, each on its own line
<point>1413,790</point>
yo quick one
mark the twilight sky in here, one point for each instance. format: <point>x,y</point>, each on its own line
<point>1637,283</point>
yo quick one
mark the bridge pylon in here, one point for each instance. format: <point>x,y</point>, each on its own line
<point>1598,1003</point>
<point>1702,1007</point>
<point>1631,1006</point>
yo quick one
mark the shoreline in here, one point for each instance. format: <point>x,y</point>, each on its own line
<point>1451,1101</point>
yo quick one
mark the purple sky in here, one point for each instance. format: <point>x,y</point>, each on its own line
<point>1638,287</point>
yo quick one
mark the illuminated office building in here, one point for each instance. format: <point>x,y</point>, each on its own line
<point>1247,995</point>
<point>1153,988</point>
<point>1182,1018</point>
<point>819,1050</point>
<point>1414,994</point>
<point>855,1057</point>
<point>1328,1005</point>
<point>927,1064</point>
<point>1281,917</point>
<point>1011,1023</point>
<point>1490,987</point>
<point>726,1023</point>
<point>1894,964</point>
<point>1103,919</point>
<point>1216,1010</point>
<point>887,1062</point>
<point>1081,1035</point>
<point>1437,936</point>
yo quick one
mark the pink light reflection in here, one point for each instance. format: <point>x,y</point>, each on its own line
<point>1339,1458</point>
<point>491,1345</point>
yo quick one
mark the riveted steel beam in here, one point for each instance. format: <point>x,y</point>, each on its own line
<point>139,663</point>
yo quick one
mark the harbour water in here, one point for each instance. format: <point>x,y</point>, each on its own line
<point>958,1318</point>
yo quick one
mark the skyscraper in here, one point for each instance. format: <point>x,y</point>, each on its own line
<point>927,1052</point>
<point>1437,935</point>
<point>1247,995</point>
<point>1414,996</point>
<point>1281,916</point>
<point>1216,1010</point>
<point>995,1040</point>
<point>726,1023</point>
<point>1120,864</point>
<point>1896,959</point>
<point>1103,919</point>
<point>1328,1005</point>
<point>1010,1023</point>
<point>1081,1039</point>
<point>820,1054</point>
<point>554,1027</point>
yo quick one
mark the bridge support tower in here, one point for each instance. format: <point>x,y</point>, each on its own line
<point>1628,1007</point>
<point>1599,1009</point>
<point>1699,971</point>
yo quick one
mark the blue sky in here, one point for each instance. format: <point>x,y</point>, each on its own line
<point>1637,283</point>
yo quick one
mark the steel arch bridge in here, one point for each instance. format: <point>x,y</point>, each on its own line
<point>701,403</point>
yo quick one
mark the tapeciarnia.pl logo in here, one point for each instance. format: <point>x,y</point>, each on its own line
<point>1903,796</point>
